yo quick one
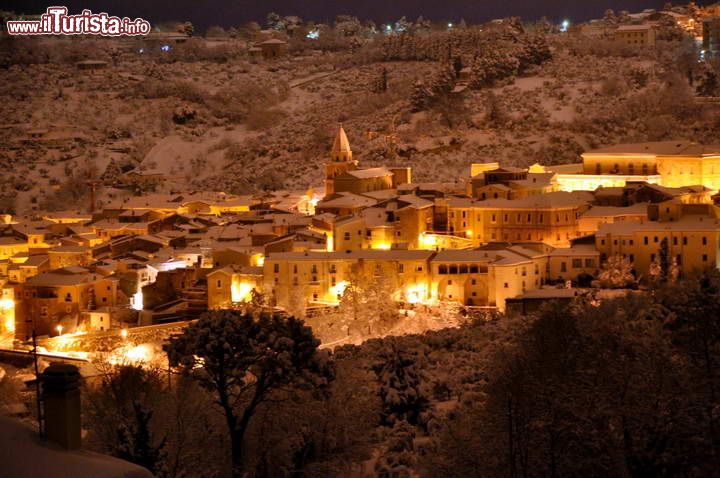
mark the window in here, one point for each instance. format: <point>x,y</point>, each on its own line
<point>679,259</point>
<point>314,269</point>
<point>442,269</point>
<point>506,285</point>
<point>449,282</point>
<point>464,269</point>
<point>473,282</point>
<point>276,268</point>
<point>704,258</point>
<point>563,267</point>
<point>453,269</point>
<point>347,236</point>
<point>219,284</point>
<point>401,268</point>
<point>68,297</point>
<point>577,263</point>
<point>675,241</point>
<point>589,263</point>
<point>655,239</point>
<point>473,270</point>
<point>684,241</point>
<point>645,240</point>
<point>704,241</point>
<point>333,268</point>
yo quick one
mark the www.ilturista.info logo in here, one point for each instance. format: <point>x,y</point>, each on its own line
<point>56,21</point>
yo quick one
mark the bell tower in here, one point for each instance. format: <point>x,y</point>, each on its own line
<point>340,161</point>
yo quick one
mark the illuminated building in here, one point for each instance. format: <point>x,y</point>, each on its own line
<point>685,235</point>
<point>342,174</point>
<point>321,277</point>
<point>232,284</point>
<point>668,163</point>
<point>61,297</point>
<point>550,218</point>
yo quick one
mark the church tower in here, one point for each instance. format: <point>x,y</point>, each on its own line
<point>340,161</point>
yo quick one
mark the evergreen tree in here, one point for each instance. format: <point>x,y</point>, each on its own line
<point>421,97</point>
<point>664,259</point>
<point>400,386</point>
<point>379,84</point>
<point>457,65</point>
<point>708,84</point>
<point>112,173</point>
<point>137,443</point>
<point>443,82</point>
<point>244,359</point>
<point>493,64</point>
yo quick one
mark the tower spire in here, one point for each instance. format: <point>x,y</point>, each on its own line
<point>341,151</point>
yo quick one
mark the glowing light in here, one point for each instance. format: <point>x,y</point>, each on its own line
<point>124,333</point>
<point>259,260</point>
<point>339,288</point>
<point>312,203</point>
<point>313,34</point>
<point>383,246</point>
<point>59,329</point>
<point>417,293</point>
<point>7,310</point>
<point>140,353</point>
<point>136,302</point>
<point>427,241</point>
<point>564,25</point>
<point>469,233</point>
<point>165,48</point>
<point>330,243</point>
<point>240,291</point>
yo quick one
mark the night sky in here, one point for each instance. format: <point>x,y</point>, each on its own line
<point>204,13</point>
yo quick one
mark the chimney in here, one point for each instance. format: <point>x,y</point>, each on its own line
<point>61,399</point>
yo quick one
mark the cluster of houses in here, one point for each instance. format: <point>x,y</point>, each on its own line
<point>641,29</point>
<point>503,235</point>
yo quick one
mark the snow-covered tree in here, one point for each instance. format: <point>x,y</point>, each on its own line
<point>401,385</point>
<point>186,28</point>
<point>112,173</point>
<point>494,63</point>
<point>421,97</point>
<point>379,83</point>
<point>707,83</point>
<point>534,50</point>
<point>243,359</point>
<point>616,273</point>
<point>609,18</point>
<point>274,22</point>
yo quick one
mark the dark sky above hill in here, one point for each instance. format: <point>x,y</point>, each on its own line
<point>204,13</point>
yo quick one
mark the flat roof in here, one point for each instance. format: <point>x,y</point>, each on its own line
<point>660,148</point>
